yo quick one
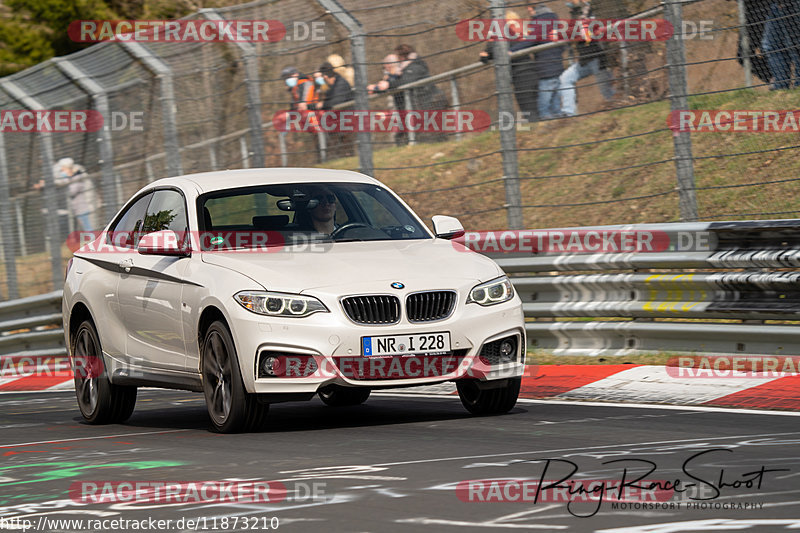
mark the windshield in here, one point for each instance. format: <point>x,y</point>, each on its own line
<point>324,211</point>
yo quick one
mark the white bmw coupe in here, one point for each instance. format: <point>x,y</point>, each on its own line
<point>269,285</point>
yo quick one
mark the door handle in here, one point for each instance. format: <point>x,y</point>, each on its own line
<point>126,265</point>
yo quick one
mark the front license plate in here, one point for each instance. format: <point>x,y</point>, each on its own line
<point>425,343</point>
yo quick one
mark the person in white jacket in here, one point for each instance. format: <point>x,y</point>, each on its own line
<point>80,190</point>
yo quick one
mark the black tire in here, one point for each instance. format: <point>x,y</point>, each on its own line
<point>231,408</point>
<point>99,401</point>
<point>337,396</point>
<point>488,401</point>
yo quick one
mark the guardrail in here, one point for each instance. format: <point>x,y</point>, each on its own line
<point>717,287</point>
<point>31,327</point>
<point>699,287</point>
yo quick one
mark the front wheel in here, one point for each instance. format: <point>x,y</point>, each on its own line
<point>480,400</point>
<point>229,405</point>
<point>337,396</point>
<point>100,401</point>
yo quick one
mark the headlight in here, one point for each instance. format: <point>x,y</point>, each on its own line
<point>492,292</point>
<point>279,304</point>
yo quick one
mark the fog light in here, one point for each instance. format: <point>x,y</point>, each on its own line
<point>499,352</point>
<point>507,350</point>
<point>270,365</point>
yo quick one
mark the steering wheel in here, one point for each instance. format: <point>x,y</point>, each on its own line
<point>350,225</point>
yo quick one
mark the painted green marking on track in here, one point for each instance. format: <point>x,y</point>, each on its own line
<point>64,470</point>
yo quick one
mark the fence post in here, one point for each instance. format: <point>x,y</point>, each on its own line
<point>212,156</point>
<point>322,142</point>
<point>52,233</point>
<point>412,135</point>
<point>282,143</point>
<point>7,219</point>
<point>23,248</point>
<point>624,61</point>
<point>678,88</point>
<point>456,102</point>
<point>245,152</point>
<point>112,189</point>
<point>251,81</point>
<point>744,35</point>
<point>508,136</point>
<point>359,52</point>
<point>163,72</point>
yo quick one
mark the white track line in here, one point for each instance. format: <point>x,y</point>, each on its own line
<point>562,450</point>
<point>56,441</point>
<point>708,409</point>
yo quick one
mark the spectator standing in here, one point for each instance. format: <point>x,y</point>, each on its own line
<point>591,61</point>
<point>303,90</point>
<point>756,13</point>
<point>304,97</point>
<point>391,70</point>
<point>80,190</point>
<point>549,66</point>
<point>339,91</point>
<point>411,68</point>
<point>524,74</point>
<point>781,43</point>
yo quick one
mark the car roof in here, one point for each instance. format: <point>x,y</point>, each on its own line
<point>229,179</point>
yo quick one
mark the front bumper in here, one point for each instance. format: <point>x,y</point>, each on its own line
<point>334,342</point>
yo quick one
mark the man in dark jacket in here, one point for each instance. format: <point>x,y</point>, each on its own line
<point>339,91</point>
<point>591,61</point>
<point>756,13</point>
<point>414,68</point>
<point>781,43</point>
<point>549,65</point>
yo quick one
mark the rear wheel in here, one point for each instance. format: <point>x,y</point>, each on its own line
<point>100,401</point>
<point>337,396</point>
<point>230,407</point>
<point>480,400</point>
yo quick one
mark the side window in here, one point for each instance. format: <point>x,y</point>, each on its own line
<point>167,211</point>
<point>124,231</point>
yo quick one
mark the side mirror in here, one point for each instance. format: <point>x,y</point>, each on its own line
<point>164,242</point>
<point>447,227</point>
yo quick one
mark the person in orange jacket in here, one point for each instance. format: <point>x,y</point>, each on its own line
<point>302,88</point>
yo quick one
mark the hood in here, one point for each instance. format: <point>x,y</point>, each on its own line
<point>349,264</point>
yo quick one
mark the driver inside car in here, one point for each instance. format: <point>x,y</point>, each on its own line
<point>324,214</point>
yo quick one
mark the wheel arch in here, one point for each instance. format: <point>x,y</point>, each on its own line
<point>211,313</point>
<point>79,312</point>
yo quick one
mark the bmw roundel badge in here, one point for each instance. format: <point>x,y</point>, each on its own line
<point>398,285</point>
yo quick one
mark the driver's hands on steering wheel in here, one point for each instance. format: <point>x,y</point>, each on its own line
<point>347,227</point>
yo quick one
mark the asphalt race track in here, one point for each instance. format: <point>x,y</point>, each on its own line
<point>394,463</point>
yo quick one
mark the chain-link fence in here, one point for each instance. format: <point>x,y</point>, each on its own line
<point>614,150</point>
